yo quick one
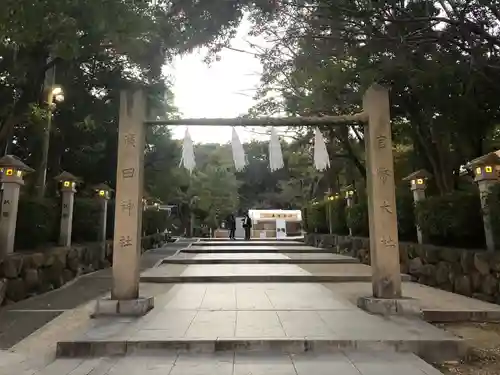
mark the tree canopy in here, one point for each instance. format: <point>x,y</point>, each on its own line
<point>439,58</point>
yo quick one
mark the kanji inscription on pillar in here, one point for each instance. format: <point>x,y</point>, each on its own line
<point>127,206</point>
<point>128,172</point>
<point>126,241</point>
<point>130,139</point>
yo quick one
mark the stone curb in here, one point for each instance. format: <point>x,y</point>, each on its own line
<point>260,261</point>
<point>261,279</point>
<point>429,350</point>
<point>255,250</point>
<point>453,316</point>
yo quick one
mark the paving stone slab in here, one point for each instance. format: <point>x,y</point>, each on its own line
<point>258,317</point>
<point>437,305</point>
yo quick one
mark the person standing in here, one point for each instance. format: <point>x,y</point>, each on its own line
<point>231,225</point>
<point>247,225</point>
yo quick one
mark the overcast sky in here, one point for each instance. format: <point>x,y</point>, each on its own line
<point>223,89</point>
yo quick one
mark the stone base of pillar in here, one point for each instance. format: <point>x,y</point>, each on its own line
<point>112,307</point>
<point>390,306</point>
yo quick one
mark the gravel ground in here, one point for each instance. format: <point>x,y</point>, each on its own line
<point>484,358</point>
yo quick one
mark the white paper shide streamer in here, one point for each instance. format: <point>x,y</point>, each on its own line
<point>238,152</point>
<point>321,158</point>
<point>187,160</point>
<point>275,154</point>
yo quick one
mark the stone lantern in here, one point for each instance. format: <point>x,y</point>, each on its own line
<point>418,183</point>
<point>485,175</point>
<point>12,171</point>
<point>103,193</point>
<point>349,195</point>
<point>68,189</point>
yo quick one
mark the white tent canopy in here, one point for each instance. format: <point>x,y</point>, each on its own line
<point>268,215</point>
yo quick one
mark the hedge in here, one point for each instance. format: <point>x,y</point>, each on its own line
<point>38,221</point>
<point>317,216</point>
<point>86,220</point>
<point>154,222</point>
<point>454,219</point>
<point>357,218</point>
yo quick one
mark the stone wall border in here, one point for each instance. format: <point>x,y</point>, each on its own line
<point>472,273</point>
<point>26,274</point>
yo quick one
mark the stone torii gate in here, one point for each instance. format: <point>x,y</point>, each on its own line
<point>384,245</point>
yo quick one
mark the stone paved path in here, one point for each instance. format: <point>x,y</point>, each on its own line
<point>245,329</point>
<point>19,320</point>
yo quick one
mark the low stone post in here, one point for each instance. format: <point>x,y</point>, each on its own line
<point>349,198</point>
<point>485,174</point>
<point>418,183</point>
<point>103,194</point>
<point>12,170</point>
<point>68,190</point>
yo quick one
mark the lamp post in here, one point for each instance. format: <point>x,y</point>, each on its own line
<point>68,190</point>
<point>485,174</point>
<point>55,94</point>
<point>192,202</point>
<point>103,193</point>
<point>349,198</point>
<point>328,197</point>
<point>418,183</point>
<point>329,211</point>
<point>12,171</point>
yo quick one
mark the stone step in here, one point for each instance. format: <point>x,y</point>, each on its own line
<point>332,278</point>
<point>346,260</point>
<point>435,351</point>
<point>349,362</point>
<point>248,243</point>
<point>254,250</point>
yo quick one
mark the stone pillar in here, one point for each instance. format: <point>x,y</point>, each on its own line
<point>68,190</point>
<point>384,243</point>
<point>12,170</point>
<point>9,215</point>
<point>68,199</point>
<point>129,192</point>
<point>418,183</point>
<point>485,175</point>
